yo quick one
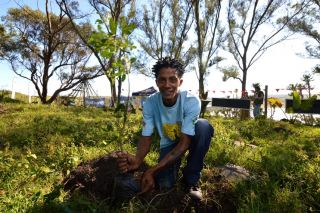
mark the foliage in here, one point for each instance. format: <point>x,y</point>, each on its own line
<point>209,36</point>
<point>226,113</point>
<point>249,33</point>
<point>275,103</point>
<point>296,87</point>
<point>5,97</point>
<point>167,32</point>
<point>39,145</point>
<point>111,42</point>
<point>304,105</point>
<point>115,48</point>
<point>164,28</point>
<point>299,104</point>
<point>316,70</point>
<point>41,46</point>
<point>307,78</point>
<point>278,163</point>
<point>230,72</point>
<point>8,100</point>
<point>42,144</point>
<point>306,24</point>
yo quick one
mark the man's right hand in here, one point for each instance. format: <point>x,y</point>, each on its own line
<point>127,162</point>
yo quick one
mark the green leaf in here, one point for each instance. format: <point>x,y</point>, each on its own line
<point>123,77</point>
<point>113,26</point>
<point>34,156</point>
<point>56,192</point>
<point>99,27</point>
<point>296,100</point>
<point>107,54</point>
<point>99,21</point>
<point>36,196</point>
<point>133,59</point>
<point>308,104</point>
<point>45,169</point>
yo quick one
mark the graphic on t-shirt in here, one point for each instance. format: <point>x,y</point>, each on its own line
<point>172,131</point>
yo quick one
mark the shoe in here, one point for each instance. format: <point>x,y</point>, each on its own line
<point>194,192</point>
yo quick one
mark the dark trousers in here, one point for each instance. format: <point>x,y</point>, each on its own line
<point>195,160</point>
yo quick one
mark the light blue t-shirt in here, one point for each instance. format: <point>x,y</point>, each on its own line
<point>170,121</point>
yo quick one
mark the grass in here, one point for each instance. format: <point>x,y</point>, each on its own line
<point>39,145</point>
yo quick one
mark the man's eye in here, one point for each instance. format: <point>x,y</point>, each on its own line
<point>161,81</point>
<point>173,80</point>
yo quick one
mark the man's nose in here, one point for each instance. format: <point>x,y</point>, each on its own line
<point>167,83</point>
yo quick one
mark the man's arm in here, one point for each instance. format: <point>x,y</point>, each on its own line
<point>175,153</point>
<point>147,182</point>
<point>143,148</point>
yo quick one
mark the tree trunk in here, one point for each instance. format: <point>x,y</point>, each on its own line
<point>43,99</point>
<point>113,93</point>
<point>244,114</point>
<point>201,86</point>
<point>119,90</point>
<point>202,94</point>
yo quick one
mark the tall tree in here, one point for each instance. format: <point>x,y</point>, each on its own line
<point>6,44</point>
<point>255,26</point>
<point>209,36</point>
<point>307,78</point>
<point>164,32</point>
<point>43,46</point>
<point>308,24</point>
<point>298,87</point>
<point>110,43</point>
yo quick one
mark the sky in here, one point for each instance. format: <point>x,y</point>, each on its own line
<point>278,67</point>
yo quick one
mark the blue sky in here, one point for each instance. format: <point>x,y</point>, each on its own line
<point>277,68</point>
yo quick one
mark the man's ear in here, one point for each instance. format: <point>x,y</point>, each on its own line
<point>181,80</point>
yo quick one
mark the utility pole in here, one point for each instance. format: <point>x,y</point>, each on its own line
<point>266,101</point>
<point>29,94</point>
<point>13,93</point>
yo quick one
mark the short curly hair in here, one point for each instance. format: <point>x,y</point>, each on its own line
<point>168,62</point>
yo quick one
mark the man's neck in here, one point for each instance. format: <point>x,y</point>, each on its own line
<point>170,103</point>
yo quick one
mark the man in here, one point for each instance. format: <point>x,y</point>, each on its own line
<point>257,100</point>
<point>175,115</point>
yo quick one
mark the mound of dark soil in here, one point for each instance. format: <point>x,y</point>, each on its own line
<point>98,180</point>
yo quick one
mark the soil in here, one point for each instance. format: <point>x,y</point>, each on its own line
<point>97,179</point>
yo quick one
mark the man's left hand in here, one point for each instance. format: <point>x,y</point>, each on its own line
<point>147,181</point>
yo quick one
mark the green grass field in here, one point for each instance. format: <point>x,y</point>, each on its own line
<point>39,145</point>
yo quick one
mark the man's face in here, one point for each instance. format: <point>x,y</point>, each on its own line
<point>168,83</point>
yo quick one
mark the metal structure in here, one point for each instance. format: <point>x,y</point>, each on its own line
<point>84,89</point>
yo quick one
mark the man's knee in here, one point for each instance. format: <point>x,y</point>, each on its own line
<point>204,127</point>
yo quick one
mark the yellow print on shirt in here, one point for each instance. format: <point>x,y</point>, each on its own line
<point>172,131</point>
